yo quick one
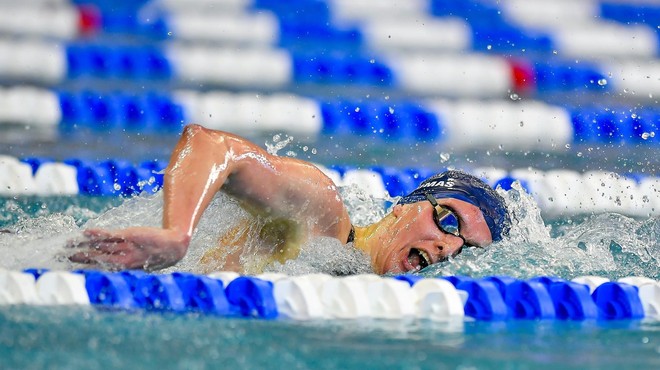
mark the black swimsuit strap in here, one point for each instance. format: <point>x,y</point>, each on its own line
<point>351,235</point>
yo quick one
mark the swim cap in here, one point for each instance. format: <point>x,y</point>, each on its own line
<point>462,186</point>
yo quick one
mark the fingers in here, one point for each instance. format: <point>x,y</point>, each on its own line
<point>112,261</point>
<point>87,257</point>
<point>97,233</point>
<point>97,239</point>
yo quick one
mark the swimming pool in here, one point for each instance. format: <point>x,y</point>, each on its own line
<point>560,95</point>
<point>35,337</point>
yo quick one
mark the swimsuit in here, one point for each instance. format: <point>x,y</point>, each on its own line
<point>351,235</point>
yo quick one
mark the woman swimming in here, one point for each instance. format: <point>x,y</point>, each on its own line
<point>297,202</point>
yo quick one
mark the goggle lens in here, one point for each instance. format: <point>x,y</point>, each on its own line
<point>447,221</point>
<point>444,217</point>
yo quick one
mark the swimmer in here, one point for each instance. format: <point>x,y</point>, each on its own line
<point>297,202</point>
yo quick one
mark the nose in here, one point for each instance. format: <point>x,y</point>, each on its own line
<point>450,245</point>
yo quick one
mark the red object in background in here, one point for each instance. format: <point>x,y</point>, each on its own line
<point>522,73</point>
<point>89,19</point>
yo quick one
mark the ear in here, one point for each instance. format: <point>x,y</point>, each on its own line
<point>397,210</point>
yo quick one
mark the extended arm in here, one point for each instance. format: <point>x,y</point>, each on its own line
<point>203,162</point>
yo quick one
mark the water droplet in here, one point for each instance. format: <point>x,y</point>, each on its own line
<point>372,61</point>
<point>646,135</point>
<point>391,110</point>
<point>554,52</point>
<point>602,82</point>
<point>579,154</point>
<point>568,146</point>
<point>116,187</point>
<point>313,150</point>
<point>169,33</point>
<point>444,157</point>
<point>489,47</point>
<point>633,115</point>
<point>522,123</point>
<point>514,96</point>
<point>357,109</point>
<point>305,148</point>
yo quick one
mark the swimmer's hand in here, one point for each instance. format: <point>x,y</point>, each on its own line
<point>147,248</point>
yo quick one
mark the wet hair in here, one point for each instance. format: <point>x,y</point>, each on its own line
<point>463,186</point>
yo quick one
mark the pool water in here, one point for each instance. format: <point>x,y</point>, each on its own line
<point>607,245</point>
<point>84,338</point>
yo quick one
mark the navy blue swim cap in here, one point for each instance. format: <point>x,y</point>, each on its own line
<point>462,186</point>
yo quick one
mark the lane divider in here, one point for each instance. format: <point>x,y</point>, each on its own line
<point>556,191</point>
<point>538,26</point>
<point>424,73</point>
<point>408,57</point>
<point>318,296</point>
<point>465,122</point>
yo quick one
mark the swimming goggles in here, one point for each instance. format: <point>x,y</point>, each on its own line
<point>446,220</point>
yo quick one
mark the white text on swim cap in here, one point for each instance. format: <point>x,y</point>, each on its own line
<point>443,183</point>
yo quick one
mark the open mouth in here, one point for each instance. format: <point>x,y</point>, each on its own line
<point>418,258</point>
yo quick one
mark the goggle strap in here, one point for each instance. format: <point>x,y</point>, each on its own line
<point>431,199</point>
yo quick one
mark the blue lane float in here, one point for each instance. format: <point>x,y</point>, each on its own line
<point>618,301</point>
<point>111,290</point>
<point>484,300</point>
<point>529,300</point>
<point>160,293</point>
<point>252,297</point>
<point>204,294</point>
<point>572,301</point>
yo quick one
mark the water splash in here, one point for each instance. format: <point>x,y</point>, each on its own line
<point>278,144</point>
<point>609,245</point>
<point>37,242</point>
<point>325,255</point>
<point>363,209</point>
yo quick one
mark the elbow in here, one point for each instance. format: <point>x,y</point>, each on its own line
<point>191,130</point>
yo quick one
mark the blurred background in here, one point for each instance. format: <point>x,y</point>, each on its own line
<point>490,86</point>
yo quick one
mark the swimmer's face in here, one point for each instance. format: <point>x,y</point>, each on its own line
<point>413,240</point>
